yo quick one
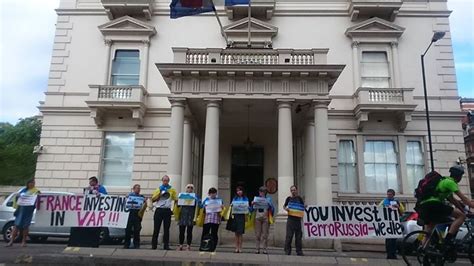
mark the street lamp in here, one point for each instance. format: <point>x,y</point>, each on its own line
<point>438,35</point>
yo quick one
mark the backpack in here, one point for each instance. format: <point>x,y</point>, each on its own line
<point>427,186</point>
<point>207,244</point>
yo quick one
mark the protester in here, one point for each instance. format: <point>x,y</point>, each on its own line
<point>94,187</point>
<point>135,203</point>
<point>186,219</point>
<point>293,224</point>
<point>238,226</point>
<point>162,199</point>
<point>212,218</point>
<point>263,211</point>
<point>391,202</point>
<point>24,212</point>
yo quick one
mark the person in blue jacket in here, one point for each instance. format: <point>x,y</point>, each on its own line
<point>238,226</point>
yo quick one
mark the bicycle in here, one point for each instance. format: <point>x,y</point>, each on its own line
<point>429,248</point>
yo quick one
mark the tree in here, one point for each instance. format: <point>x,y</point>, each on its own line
<point>17,161</point>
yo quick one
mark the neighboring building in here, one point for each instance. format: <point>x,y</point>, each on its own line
<point>467,106</point>
<point>329,96</point>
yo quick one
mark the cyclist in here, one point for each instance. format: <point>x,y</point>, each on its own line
<point>434,210</point>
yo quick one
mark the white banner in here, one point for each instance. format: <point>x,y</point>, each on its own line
<point>81,211</point>
<point>213,205</point>
<point>240,207</point>
<point>351,222</point>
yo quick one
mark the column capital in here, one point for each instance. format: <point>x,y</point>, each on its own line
<point>177,101</point>
<point>355,44</point>
<point>108,42</point>
<point>285,103</point>
<point>213,102</point>
<point>146,42</point>
<point>394,44</point>
<point>321,103</point>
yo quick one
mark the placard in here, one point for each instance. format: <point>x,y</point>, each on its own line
<point>26,200</point>
<point>81,211</point>
<point>351,222</point>
<point>213,205</point>
<point>295,209</point>
<point>260,203</point>
<point>135,202</point>
<point>240,207</point>
<point>187,199</point>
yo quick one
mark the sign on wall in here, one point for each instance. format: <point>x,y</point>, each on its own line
<point>81,211</point>
<point>351,221</point>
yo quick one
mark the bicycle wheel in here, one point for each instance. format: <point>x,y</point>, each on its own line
<point>412,245</point>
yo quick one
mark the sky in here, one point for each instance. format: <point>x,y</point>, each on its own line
<point>26,39</point>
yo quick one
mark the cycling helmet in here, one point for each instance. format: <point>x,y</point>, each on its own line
<point>456,170</point>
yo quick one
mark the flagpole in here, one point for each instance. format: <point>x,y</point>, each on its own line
<point>249,44</point>
<point>220,23</point>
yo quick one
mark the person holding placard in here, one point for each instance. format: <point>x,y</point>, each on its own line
<point>24,204</point>
<point>187,202</point>
<point>263,207</point>
<point>294,205</point>
<point>391,202</point>
<point>240,209</point>
<point>163,198</point>
<point>213,207</point>
<point>135,203</point>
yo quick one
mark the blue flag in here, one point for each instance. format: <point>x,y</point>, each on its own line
<point>182,8</point>
<point>236,2</point>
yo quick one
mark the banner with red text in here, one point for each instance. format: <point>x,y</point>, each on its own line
<point>351,222</point>
<point>81,211</point>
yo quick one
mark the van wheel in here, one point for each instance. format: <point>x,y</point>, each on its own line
<point>38,239</point>
<point>8,231</point>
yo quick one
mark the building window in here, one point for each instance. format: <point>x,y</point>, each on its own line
<point>375,70</point>
<point>415,164</point>
<point>347,166</point>
<point>117,161</point>
<point>126,67</point>
<point>380,161</point>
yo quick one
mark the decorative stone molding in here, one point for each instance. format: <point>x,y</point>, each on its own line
<point>261,33</point>
<point>119,8</point>
<point>127,29</point>
<point>388,9</point>
<point>375,29</point>
<point>260,9</point>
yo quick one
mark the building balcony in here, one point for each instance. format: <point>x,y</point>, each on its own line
<point>398,101</point>
<point>386,9</point>
<point>260,9</point>
<point>119,8</point>
<point>117,99</point>
<point>250,56</point>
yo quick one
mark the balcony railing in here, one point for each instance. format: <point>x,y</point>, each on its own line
<point>384,95</point>
<point>250,56</point>
<point>112,98</point>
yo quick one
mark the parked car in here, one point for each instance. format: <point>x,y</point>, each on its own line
<point>41,233</point>
<point>409,220</point>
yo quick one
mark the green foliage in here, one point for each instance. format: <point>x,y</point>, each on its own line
<point>17,161</point>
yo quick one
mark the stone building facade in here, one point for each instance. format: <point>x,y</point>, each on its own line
<point>324,94</point>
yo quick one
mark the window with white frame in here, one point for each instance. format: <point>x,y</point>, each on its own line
<point>347,166</point>
<point>117,160</point>
<point>380,164</point>
<point>415,164</point>
<point>375,72</point>
<point>126,67</point>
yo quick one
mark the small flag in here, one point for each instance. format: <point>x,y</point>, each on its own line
<point>295,209</point>
<point>182,8</point>
<point>236,2</point>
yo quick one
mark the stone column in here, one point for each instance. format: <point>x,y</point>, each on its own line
<point>355,65</point>
<point>396,65</point>
<point>285,152</point>
<point>175,149</point>
<point>108,48</point>
<point>211,147</point>
<point>187,153</point>
<point>144,64</point>
<point>323,164</point>
<point>309,186</point>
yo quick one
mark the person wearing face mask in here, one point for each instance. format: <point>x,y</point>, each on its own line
<point>162,199</point>
<point>263,207</point>
<point>186,217</point>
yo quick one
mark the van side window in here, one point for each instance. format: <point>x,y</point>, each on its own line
<point>10,202</point>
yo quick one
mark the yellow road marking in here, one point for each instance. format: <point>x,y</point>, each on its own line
<point>67,249</point>
<point>364,260</point>
<point>76,249</point>
<point>353,259</point>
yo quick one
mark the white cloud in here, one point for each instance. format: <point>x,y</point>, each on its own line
<point>462,20</point>
<point>26,38</point>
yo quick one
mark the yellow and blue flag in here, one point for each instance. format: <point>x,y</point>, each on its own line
<point>295,209</point>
